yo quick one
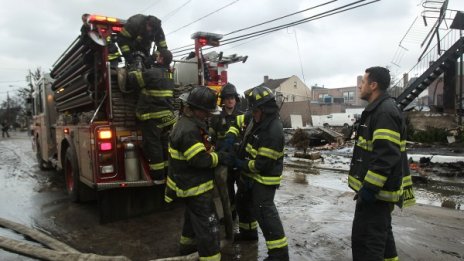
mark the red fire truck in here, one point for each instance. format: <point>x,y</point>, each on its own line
<point>85,126</point>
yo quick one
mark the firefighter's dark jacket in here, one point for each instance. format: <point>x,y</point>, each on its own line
<point>134,37</point>
<point>156,89</point>
<point>263,150</point>
<point>380,162</point>
<point>191,164</point>
<point>220,124</point>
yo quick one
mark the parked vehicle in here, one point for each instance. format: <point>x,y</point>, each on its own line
<point>334,119</point>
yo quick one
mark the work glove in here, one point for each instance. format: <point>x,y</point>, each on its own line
<point>367,195</point>
<point>228,143</point>
<point>226,158</point>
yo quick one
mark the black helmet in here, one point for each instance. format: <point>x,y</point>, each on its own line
<point>258,96</point>
<point>229,90</point>
<point>154,22</point>
<point>201,97</point>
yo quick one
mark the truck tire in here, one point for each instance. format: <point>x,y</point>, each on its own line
<point>71,174</point>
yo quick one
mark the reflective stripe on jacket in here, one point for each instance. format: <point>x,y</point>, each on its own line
<point>380,161</point>
<point>155,100</point>
<point>263,151</point>
<point>191,165</point>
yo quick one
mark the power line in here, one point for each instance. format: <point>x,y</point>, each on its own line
<point>150,6</point>
<point>171,14</point>
<point>266,22</point>
<point>282,17</point>
<point>331,12</point>
<point>203,17</point>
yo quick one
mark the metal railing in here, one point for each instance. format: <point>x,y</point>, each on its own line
<point>427,60</point>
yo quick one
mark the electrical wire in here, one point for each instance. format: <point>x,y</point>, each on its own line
<point>266,22</point>
<point>203,17</point>
<point>150,6</point>
<point>281,17</point>
<point>173,12</point>
<point>331,12</point>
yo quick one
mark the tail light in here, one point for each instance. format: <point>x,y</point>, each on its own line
<point>106,152</point>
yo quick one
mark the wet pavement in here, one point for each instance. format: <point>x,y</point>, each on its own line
<point>317,216</point>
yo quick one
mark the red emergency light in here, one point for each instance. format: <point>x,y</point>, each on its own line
<point>105,146</point>
<point>100,19</point>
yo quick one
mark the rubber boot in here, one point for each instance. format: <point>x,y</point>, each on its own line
<point>279,254</point>
<point>158,177</point>
<point>187,249</point>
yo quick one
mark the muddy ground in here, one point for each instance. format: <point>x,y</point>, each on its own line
<point>317,217</point>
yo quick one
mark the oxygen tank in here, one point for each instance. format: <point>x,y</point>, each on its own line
<point>131,162</point>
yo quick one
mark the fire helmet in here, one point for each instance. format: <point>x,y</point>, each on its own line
<point>201,97</point>
<point>229,90</point>
<point>258,96</point>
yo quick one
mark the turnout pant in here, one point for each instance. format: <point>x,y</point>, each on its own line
<point>255,204</point>
<point>155,147</point>
<point>201,226</point>
<point>372,236</point>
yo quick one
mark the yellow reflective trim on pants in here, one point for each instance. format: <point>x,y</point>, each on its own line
<point>216,257</point>
<point>248,226</point>
<point>113,56</point>
<point>279,243</point>
<point>154,115</point>
<point>194,150</point>
<point>270,153</point>
<point>265,180</point>
<point>214,159</point>
<point>354,183</point>
<point>387,134</point>
<point>375,178</point>
<point>157,166</point>
<point>391,259</point>
<point>158,93</point>
<point>233,130</point>
<point>403,146</point>
<point>187,240</point>
<point>175,154</point>
<point>194,191</point>
<point>251,166</point>
<point>251,151</point>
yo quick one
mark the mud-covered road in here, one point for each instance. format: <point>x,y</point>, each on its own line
<point>317,218</point>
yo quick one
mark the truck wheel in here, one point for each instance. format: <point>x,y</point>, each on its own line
<point>71,174</point>
<point>38,154</point>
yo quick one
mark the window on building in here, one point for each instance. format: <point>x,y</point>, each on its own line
<point>348,96</point>
<point>295,85</point>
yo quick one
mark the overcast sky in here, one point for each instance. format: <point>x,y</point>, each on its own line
<point>330,51</point>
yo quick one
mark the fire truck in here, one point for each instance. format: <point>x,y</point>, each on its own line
<point>84,122</point>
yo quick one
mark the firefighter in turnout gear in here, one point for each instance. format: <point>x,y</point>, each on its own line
<point>190,178</point>
<point>379,171</point>
<point>155,112</point>
<point>138,34</point>
<point>219,125</point>
<point>260,159</point>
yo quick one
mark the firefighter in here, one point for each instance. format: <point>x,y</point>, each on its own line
<point>379,170</point>
<point>155,112</point>
<point>190,178</point>
<point>219,125</point>
<point>260,159</point>
<point>138,34</point>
